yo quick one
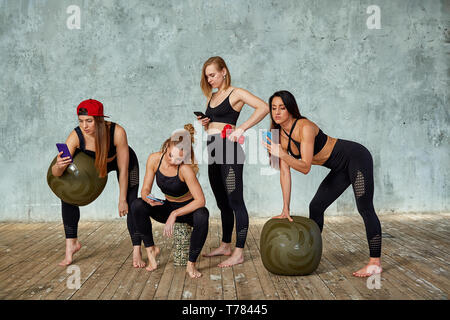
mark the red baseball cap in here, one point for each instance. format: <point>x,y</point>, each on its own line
<point>90,107</point>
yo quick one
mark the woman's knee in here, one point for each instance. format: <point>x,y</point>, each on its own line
<point>138,207</point>
<point>316,208</point>
<point>236,201</point>
<point>223,204</point>
<point>201,216</point>
<point>316,211</point>
<point>365,208</point>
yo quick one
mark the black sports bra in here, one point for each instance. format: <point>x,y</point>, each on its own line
<point>223,112</point>
<point>171,186</point>
<point>112,147</point>
<point>319,142</point>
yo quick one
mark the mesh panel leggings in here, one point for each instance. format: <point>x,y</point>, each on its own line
<point>350,163</point>
<point>197,219</point>
<point>71,213</point>
<point>226,164</point>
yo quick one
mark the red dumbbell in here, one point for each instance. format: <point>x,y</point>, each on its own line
<point>227,130</point>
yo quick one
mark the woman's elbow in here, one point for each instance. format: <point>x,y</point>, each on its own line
<point>266,109</point>
<point>307,170</point>
<point>202,203</point>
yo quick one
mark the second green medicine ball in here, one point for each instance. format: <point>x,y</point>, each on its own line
<point>291,248</point>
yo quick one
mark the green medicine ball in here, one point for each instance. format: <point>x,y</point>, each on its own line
<point>79,184</point>
<point>291,248</point>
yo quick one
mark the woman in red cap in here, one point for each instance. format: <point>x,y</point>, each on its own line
<point>227,157</point>
<point>107,143</point>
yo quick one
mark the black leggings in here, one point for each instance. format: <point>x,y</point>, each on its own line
<point>71,213</point>
<point>225,167</point>
<point>350,163</point>
<point>197,219</point>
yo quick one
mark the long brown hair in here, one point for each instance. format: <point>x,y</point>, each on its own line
<point>220,64</point>
<point>102,139</point>
<point>291,106</point>
<point>173,142</point>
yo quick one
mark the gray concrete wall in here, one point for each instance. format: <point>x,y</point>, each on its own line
<point>385,88</point>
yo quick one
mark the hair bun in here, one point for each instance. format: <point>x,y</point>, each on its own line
<point>190,128</point>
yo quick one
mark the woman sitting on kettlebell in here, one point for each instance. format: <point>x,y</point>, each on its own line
<point>175,170</point>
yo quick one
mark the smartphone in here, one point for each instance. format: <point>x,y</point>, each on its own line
<point>267,134</point>
<point>65,150</point>
<point>155,199</point>
<point>201,114</point>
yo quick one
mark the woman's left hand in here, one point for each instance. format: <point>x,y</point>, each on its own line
<point>123,208</point>
<point>274,148</point>
<point>168,228</point>
<point>234,136</point>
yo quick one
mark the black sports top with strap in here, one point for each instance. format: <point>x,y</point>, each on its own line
<point>223,112</point>
<point>171,186</point>
<point>319,142</point>
<point>112,147</point>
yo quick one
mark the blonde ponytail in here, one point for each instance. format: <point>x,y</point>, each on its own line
<point>190,128</point>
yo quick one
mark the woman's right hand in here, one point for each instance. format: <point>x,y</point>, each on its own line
<point>152,202</point>
<point>62,163</point>
<point>204,122</point>
<point>284,215</point>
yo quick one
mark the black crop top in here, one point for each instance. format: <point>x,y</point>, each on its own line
<point>223,112</point>
<point>112,147</point>
<point>171,186</point>
<point>319,142</point>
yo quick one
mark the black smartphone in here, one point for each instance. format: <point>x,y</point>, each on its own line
<point>201,114</point>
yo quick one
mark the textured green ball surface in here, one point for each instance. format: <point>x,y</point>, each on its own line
<point>291,248</point>
<point>79,184</point>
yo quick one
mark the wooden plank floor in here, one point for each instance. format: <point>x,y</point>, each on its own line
<point>415,260</point>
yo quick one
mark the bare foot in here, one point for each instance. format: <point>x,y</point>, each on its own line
<point>373,267</point>
<point>191,271</point>
<point>137,257</point>
<point>72,246</point>
<point>236,258</point>
<point>152,253</point>
<point>223,250</point>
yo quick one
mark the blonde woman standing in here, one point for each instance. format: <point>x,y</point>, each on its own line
<point>226,156</point>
